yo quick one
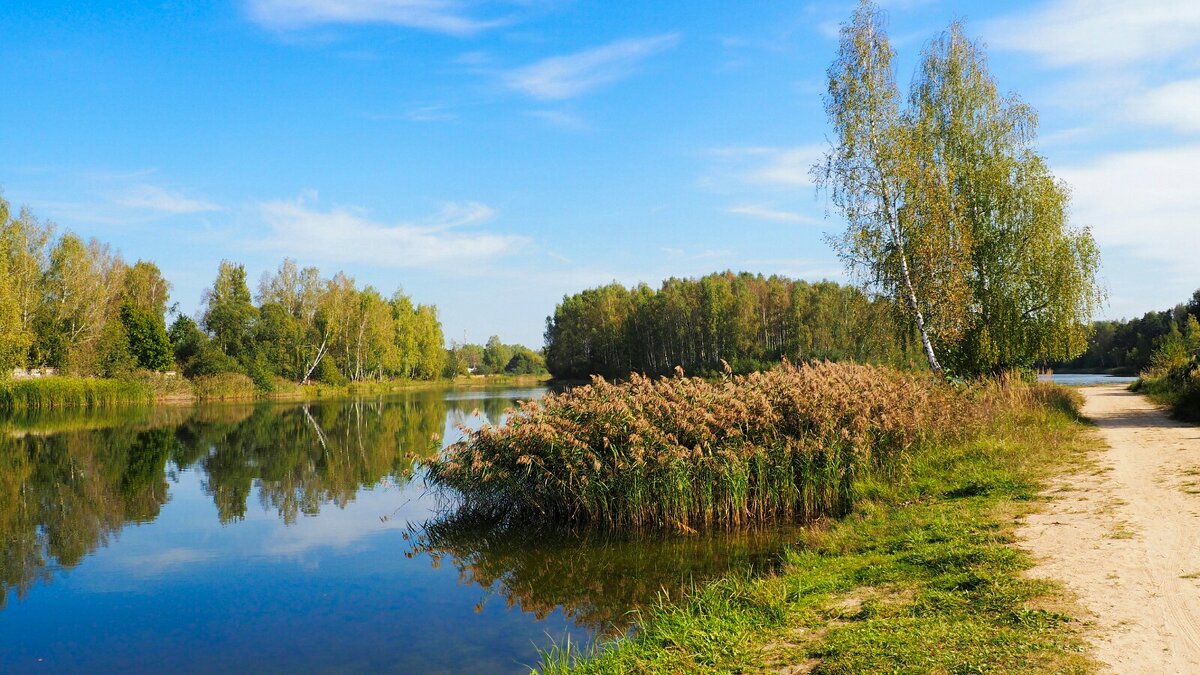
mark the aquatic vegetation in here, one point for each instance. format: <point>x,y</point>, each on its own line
<point>685,452</point>
<point>59,392</point>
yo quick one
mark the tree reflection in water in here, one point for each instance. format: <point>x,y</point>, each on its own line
<point>69,481</point>
<point>600,580</point>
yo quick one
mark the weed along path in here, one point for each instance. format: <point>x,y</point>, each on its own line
<point>1124,535</point>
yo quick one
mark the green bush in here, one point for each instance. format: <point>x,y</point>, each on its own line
<point>225,386</point>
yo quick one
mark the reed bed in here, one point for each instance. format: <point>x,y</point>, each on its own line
<point>225,387</point>
<point>70,392</point>
<point>685,452</point>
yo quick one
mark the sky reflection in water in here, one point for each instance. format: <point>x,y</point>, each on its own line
<point>285,537</point>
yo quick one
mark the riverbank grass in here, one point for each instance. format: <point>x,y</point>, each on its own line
<point>1177,387</point>
<point>921,576</point>
<point>70,392</point>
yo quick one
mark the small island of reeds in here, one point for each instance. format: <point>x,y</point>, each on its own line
<point>685,452</point>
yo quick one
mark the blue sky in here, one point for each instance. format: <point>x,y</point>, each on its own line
<point>491,156</point>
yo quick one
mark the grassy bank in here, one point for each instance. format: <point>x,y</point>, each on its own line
<point>145,387</point>
<point>1177,388</point>
<point>921,576</point>
<point>70,392</point>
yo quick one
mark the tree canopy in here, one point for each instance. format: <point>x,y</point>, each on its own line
<point>949,208</point>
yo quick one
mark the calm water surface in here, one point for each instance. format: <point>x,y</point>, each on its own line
<point>1086,379</point>
<point>290,537</point>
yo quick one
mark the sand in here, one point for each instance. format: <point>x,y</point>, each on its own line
<point>1124,536</point>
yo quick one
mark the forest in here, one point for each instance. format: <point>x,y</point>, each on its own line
<point>748,320</point>
<point>1128,345</point>
<point>78,307</point>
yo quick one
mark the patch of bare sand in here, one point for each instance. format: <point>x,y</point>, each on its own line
<point>1124,536</point>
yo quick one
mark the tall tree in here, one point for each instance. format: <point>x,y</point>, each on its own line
<point>229,314</point>
<point>1032,278</point>
<point>949,209</point>
<point>146,289</point>
<point>868,173</point>
<point>14,339</point>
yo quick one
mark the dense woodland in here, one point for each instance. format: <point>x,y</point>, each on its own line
<point>1130,345</point>
<point>747,320</point>
<point>79,307</point>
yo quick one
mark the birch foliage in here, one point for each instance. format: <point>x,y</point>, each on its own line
<point>950,210</point>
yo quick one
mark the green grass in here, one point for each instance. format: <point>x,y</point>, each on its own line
<point>921,577</point>
<point>225,387</point>
<point>49,393</point>
<point>1177,388</point>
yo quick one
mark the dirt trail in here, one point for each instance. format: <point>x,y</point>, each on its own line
<point>1126,538</point>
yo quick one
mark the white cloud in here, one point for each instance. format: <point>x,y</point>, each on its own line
<point>767,213</point>
<point>344,235</point>
<point>1145,201</point>
<point>1100,32</point>
<point>1175,105</point>
<point>561,119</point>
<point>157,563</point>
<point>154,198</point>
<point>452,17</point>
<point>563,77</point>
<point>779,167</point>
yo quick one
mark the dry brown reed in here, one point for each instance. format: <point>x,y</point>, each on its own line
<point>686,452</point>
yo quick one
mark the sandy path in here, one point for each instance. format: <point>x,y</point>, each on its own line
<point>1126,538</point>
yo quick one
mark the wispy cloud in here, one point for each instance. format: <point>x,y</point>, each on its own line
<point>158,563</point>
<point>777,215</point>
<point>451,17</point>
<point>778,167</point>
<point>1175,105</point>
<point>571,75</point>
<point>562,119</point>
<point>1100,32</point>
<point>1144,201</point>
<point>348,235</point>
<point>154,198</point>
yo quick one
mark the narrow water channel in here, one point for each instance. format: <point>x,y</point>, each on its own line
<point>297,537</point>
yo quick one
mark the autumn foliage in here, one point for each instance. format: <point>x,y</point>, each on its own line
<point>685,452</point>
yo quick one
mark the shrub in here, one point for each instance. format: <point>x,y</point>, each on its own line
<point>224,386</point>
<point>682,452</point>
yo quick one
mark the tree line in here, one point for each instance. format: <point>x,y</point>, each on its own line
<point>307,327</point>
<point>79,307</point>
<point>1130,345</point>
<point>75,305</point>
<point>493,358</point>
<point>747,320</point>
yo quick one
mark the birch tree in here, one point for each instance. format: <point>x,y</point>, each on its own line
<point>897,240</point>
<point>949,209</point>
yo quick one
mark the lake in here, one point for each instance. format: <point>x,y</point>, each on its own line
<point>1085,379</point>
<point>285,537</point>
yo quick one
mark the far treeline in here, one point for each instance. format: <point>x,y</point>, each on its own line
<point>748,320</point>
<point>1128,345</point>
<point>78,307</point>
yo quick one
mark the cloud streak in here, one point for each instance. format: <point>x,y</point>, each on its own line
<point>1100,32</point>
<point>450,17</point>
<point>1175,105</point>
<point>1142,200</point>
<point>147,197</point>
<point>563,77</point>
<point>344,235</point>
<point>776,215</point>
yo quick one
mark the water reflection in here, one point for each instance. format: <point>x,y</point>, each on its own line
<point>69,482</point>
<point>599,580</point>
<point>184,539</point>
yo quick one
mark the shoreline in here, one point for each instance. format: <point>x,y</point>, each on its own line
<point>46,393</point>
